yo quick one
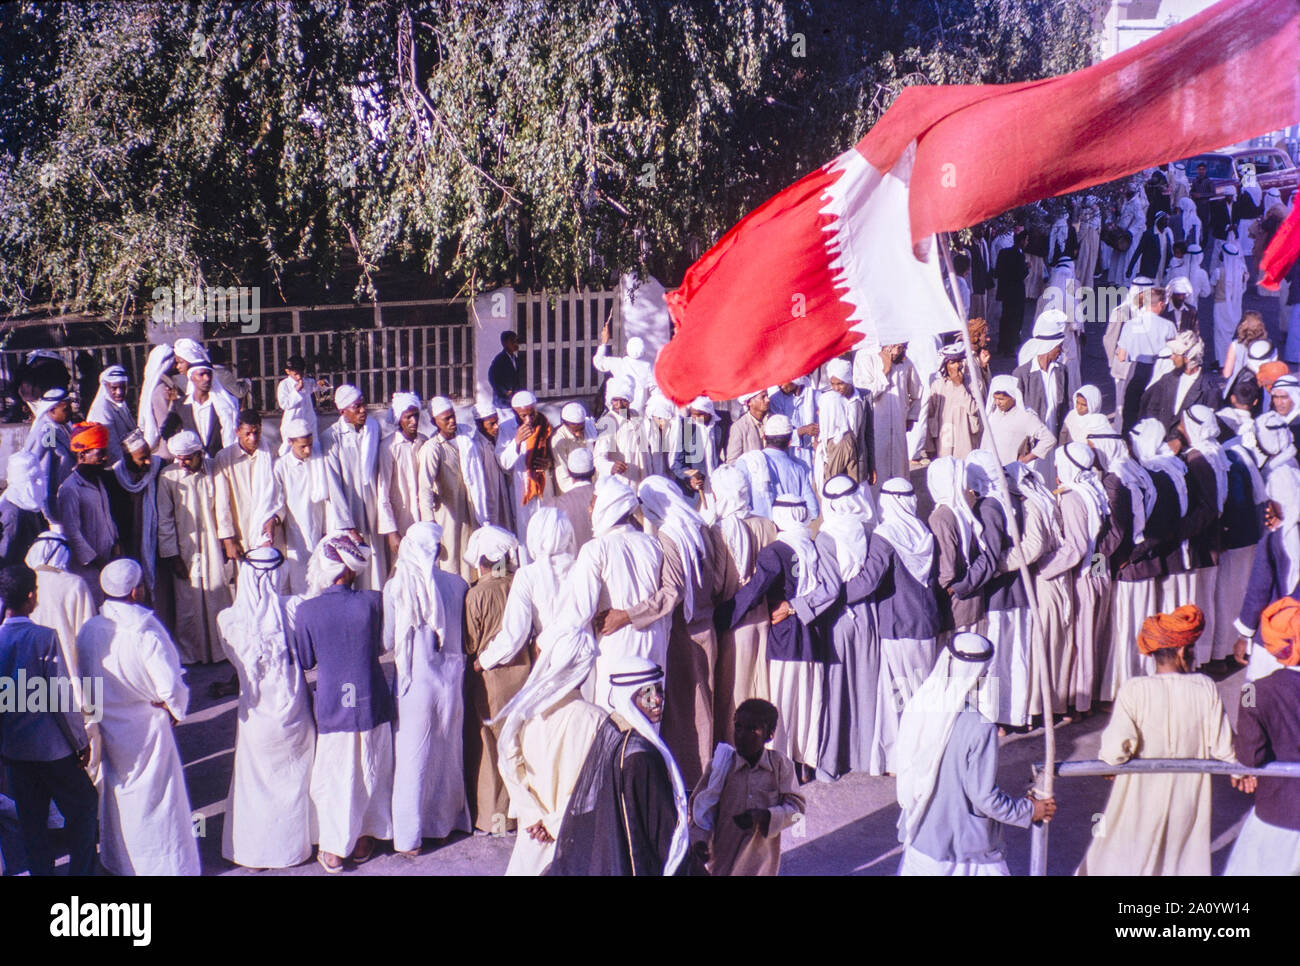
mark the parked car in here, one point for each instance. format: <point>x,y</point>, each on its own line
<point>1273,168</point>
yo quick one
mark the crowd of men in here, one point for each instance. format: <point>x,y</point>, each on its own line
<point>630,640</point>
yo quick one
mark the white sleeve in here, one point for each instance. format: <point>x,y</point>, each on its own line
<point>516,623</point>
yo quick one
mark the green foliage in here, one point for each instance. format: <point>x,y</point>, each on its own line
<point>525,142</point>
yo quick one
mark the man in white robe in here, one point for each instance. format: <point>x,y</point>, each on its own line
<point>634,366</point>
<point>897,398</point>
<point>351,449</point>
<point>622,447</point>
<point>575,503</point>
<point>424,619</point>
<point>299,504</point>
<point>1017,432</point>
<point>296,396</point>
<point>546,732</point>
<point>110,410</point>
<point>524,453</point>
<point>189,550</point>
<point>144,808</point>
<point>577,431</point>
<point>446,462</point>
<point>399,471</point>
<point>243,474</point>
<point>797,401</point>
<point>268,811</point>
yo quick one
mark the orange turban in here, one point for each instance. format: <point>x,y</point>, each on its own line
<point>1279,625</point>
<point>1271,372</point>
<point>1178,629</point>
<point>976,328</point>
<point>88,436</point>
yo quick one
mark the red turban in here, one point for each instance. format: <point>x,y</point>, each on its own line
<point>1279,625</point>
<point>1271,372</point>
<point>88,436</point>
<point>1178,629</point>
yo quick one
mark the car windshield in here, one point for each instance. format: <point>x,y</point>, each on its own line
<point>1216,165</point>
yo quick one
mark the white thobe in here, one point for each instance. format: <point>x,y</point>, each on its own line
<point>512,457</point>
<point>534,593</point>
<point>302,516</point>
<point>399,496</point>
<point>354,493</point>
<point>144,809</point>
<point>640,371</point>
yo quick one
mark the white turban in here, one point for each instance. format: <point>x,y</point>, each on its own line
<point>402,401</point>
<point>333,557</point>
<point>184,443</point>
<point>574,414</point>
<point>192,352</point>
<point>620,387</point>
<point>580,462</point>
<point>522,399</point>
<point>484,410</point>
<point>490,542</point>
<point>120,577</point>
<point>745,397</point>
<point>27,487</point>
<point>615,499</point>
<point>297,428</point>
<point>777,425</point>
<point>635,347</point>
<point>1181,285</point>
<point>703,404</point>
<point>840,369</point>
<point>345,396</point>
<point>658,407</point>
<point>439,405</point>
<point>50,549</point>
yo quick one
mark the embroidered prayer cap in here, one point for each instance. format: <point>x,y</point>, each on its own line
<point>135,441</point>
<point>184,443</point>
<point>89,436</point>
<point>1279,626</point>
<point>120,577</point>
<point>1178,629</point>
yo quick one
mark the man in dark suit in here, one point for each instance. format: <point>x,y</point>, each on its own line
<point>1181,307</point>
<point>503,374</point>
<point>1042,383</point>
<point>1188,385</point>
<point>44,751</point>
<point>1010,273</point>
<point>1152,252</point>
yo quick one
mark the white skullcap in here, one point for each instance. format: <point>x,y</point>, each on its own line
<point>113,374</point>
<point>402,401</point>
<point>635,347</point>
<point>777,425</point>
<point>1050,323</point>
<point>620,387</point>
<point>184,443</point>
<point>840,369</point>
<point>745,397</point>
<point>345,396</point>
<point>297,428</point>
<point>580,462</point>
<point>1181,285</point>
<point>135,440</point>
<point>484,410</point>
<point>703,404</point>
<point>573,413</point>
<point>120,577</point>
<point>440,405</point>
<point>490,542</point>
<point>190,351</point>
<point>659,407</point>
<point>522,399</point>
<point>838,486</point>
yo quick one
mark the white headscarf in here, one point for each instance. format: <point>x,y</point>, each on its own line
<point>551,543</point>
<point>1284,490</point>
<point>1006,384</point>
<point>1191,220</point>
<point>161,358</point>
<point>846,515</point>
<point>946,479</point>
<point>615,499</point>
<point>928,720</point>
<point>26,486</point>
<point>1149,444</point>
<point>790,514</point>
<point>492,543</point>
<point>1203,435</point>
<point>1025,482</point>
<point>1290,385</point>
<point>1233,265</point>
<point>416,596</point>
<point>1114,455</point>
<point>103,407</point>
<point>903,529</point>
<point>224,405</point>
<point>333,557</point>
<point>1075,473</point>
<point>1073,420</point>
<point>50,549</point>
<point>257,615</point>
<point>834,421</point>
<point>1274,441</point>
<point>663,505</point>
<point>731,505</point>
<point>982,475</point>
<point>627,675</point>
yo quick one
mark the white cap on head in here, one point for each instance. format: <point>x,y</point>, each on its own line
<point>745,397</point>
<point>619,387</point>
<point>120,577</point>
<point>1181,285</point>
<point>840,369</point>
<point>522,399</point>
<point>573,413</point>
<point>440,405</point>
<point>184,443</point>
<point>297,428</point>
<point>580,462</point>
<point>635,347</point>
<point>191,351</point>
<point>345,396</point>
<point>402,401</point>
<point>484,410</point>
<point>777,425</point>
<point>703,404</point>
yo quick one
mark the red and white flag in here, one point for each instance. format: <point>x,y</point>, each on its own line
<point>847,254</point>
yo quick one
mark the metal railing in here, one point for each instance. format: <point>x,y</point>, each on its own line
<point>1139,766</point>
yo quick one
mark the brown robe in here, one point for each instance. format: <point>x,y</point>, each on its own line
<point>486,693</point>
<point>741,671</point>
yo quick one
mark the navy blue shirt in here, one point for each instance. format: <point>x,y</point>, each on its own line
<point>1268,729</point>
<point>54,732</point>
<point>341,634</point>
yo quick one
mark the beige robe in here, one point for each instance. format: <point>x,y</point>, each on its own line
<point>486,693</point>
<point>233,471</point>
<point>953,420</point>
<point>1039,542</point>
<point>441,482</point>
<point>687,726</point>
<point>770,783</point>
<point>399,489</point>
<point>553,748</point>
<point>741,672</point>
<point>187,527</point>
<point>626,444</point>
<point>65,603</point>
<point>564,442</point>
<point>1159,824</point>
<point>746,434</point>
<point>575,503</point>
